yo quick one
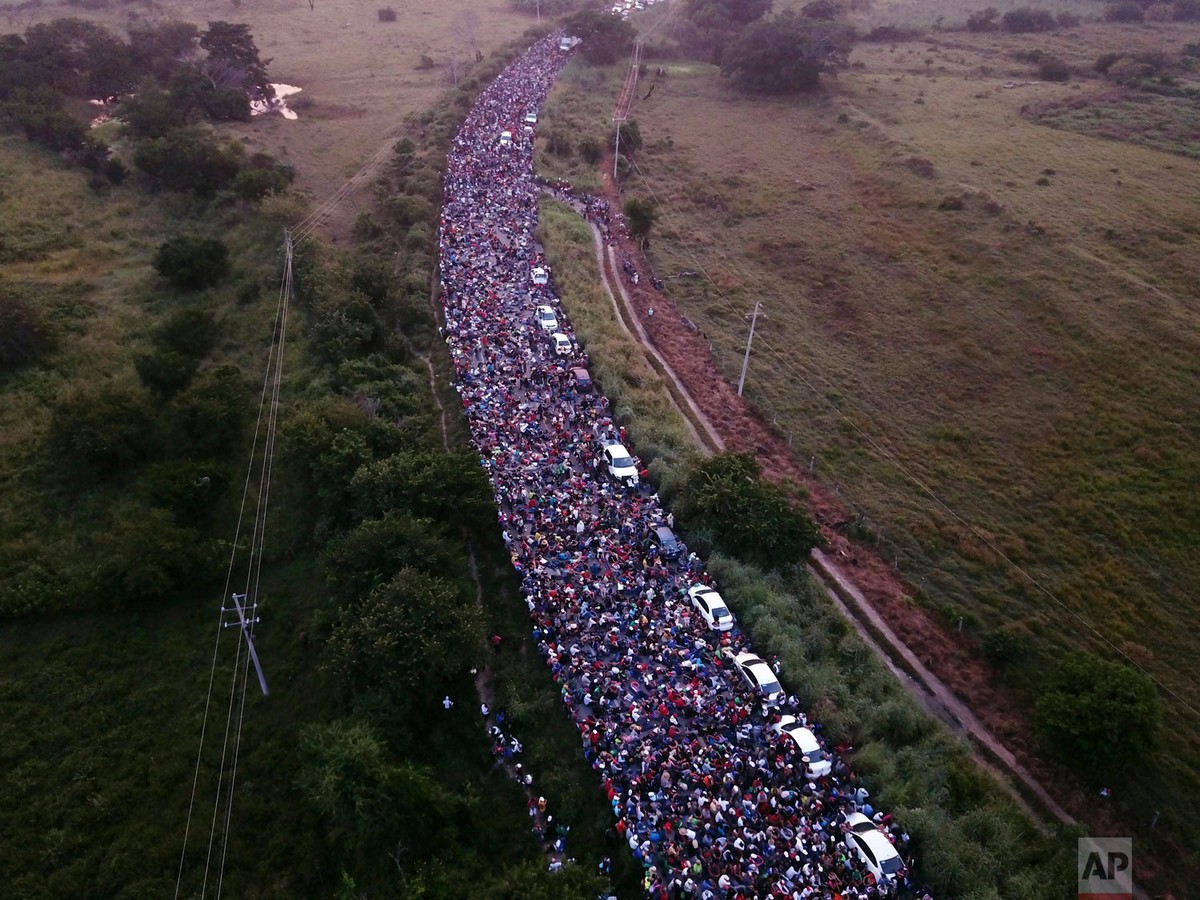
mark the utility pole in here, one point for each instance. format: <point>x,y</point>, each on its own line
<point>242,622</point>
<point>617,150</point>
<point>750,340</point>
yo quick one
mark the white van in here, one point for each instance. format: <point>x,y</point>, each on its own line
<point>506,139</point>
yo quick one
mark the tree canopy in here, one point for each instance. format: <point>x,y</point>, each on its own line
<point>787,54</point>
<point>1098,715</point>
<point>752,519</point>
<point>713,24</point>
<point>605,38</point>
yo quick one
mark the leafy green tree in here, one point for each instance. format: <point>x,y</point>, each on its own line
<point>192,332</point>
<point>1100,716</point>
<point>160,49</point>
<point>752,519</point>
<point>186,488</point>
<point>713,24</point>
<point>41,114</point>
<point>208,418</point>
<point>233,59</point>
<point>358,562</point>
<point>151,112</point>
<point>189,159</point>
<point>100,432</point>
<point>342,326</point>
<point>191,262</point>
<point>787,54</point>
<point>640,215</point>
<point>606,38</point>
<point>372,806</point>
<point>77,58</point>
<point>405,639</point>
<point>146,556</point>
<point>448,487</point>
<point>165,372</point>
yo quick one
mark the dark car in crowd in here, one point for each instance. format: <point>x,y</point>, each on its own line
<point>663,539</point>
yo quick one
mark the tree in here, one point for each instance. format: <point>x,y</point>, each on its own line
<point>145,556</point>
<point>188,159</point>
<point>404,639</point>
<point>233,59</point>
<point>640,215</point>
<point>448,487</point>
<point>1128,11</point>
<point>101,432</point>
<point>371,804</point>
<point>191,262</point>
<point>1026,19</point>
<point>358,562</point>
<point>1098,715</point>
<point>605,38</point>
<point>752,518</point>
<point>787,54</point>
<point>715,23</point>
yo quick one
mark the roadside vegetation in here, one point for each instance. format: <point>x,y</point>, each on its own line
<point>136,329</point>
<point>1004,307</point>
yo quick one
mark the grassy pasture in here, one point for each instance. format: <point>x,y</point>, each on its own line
<point>1007,310</point>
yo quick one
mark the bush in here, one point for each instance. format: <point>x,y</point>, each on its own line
<point>1054,69</point>
<point>1160,12</point>
<point>1098,715</point>
<point>559,144</point>
<point>1068,20</point>
<point>983,20</point>
<point>1186,11</point>
<point>1105,61</point>
<point>387,14</point>
<point>1027,19</point>
<point>191,332</point>
<point>165,372</point>
<point>1126,12</point>
<point>22,336</point>
<point>100,433</point>
<point>590,150</point>
<point>192,262</point>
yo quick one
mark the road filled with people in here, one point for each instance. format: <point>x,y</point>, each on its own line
<point>719,783</point>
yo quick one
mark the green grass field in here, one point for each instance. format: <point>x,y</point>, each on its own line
<point>965,301</point>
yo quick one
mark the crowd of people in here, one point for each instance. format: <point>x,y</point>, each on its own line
<point>711,800</point>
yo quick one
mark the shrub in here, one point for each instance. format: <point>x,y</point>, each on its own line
<point>1160,12</point>
<point>387,14</point>
<point>590,150</point>
<point>165,372</point>
<point>1105,61</point>
<point>559,144</point>
<point>1026,19</point>
<point>99,433</point>
<point>952,203</point>
<point>1054,69</point>
<point>22,336</point>
<point>983,20</point>
<point>1068,20</point>
<point>191,332</point>
<point>192,262</point>
<point>1126,12</point>
<point>1098,715</point>
<point>1186,11</point>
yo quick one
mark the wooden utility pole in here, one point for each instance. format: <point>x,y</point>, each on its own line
<point>749,341</point>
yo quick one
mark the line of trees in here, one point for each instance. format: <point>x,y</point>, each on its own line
<point>166,81</point>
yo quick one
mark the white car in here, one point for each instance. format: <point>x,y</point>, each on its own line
<point>818,764</point>
<point>711,607</point>
<point>547,319</point>
<point>620,464</point>
<point>541,276</point>
<point>562,344</point>
<point>756,673</point>
<point>531,118</point>
<point>506,139</point>
<point>872,846</point>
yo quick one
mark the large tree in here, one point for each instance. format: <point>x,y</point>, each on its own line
<point>1099,716</point>
<point>233,59</point>
<point>713,24</point>
<point>787,54</point>
<point>605,38</point>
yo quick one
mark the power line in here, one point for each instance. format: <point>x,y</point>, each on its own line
<point>890,457</point>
